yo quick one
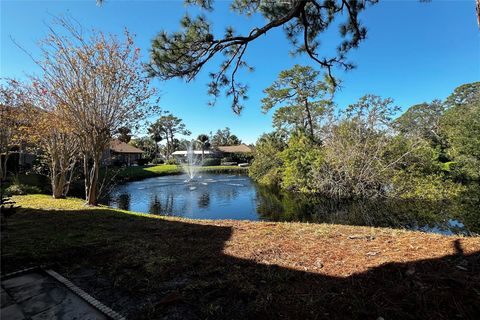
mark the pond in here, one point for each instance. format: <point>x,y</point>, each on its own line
<point>231,196</point>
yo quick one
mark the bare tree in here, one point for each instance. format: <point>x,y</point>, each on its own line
<point>356,160</point>
<point>53,135</point>
<point>98,84</point>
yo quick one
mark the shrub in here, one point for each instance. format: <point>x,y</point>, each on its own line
<point>21,189</point>
<point>433,187</point>
<point>142,162</point>
<point>298,161</point>
<point>211,162</point>
<point>267,166</point>
<point>171,162</point>
<point>228,159</point>
<point>158,161</point>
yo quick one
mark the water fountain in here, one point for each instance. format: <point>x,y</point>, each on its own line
<point>191,166</point>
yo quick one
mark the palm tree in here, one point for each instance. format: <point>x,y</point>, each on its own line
<point>156,134</point>
<point>204,143</point>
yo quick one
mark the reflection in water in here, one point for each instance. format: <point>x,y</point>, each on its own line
<point>123,201</point>
<point>438,217</point>
<point>162,205</point>
<point>155,206</point>
<point>204,200</point>
<point>220,196</point>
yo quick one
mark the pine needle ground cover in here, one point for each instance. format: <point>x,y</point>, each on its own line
<point>150,267</point>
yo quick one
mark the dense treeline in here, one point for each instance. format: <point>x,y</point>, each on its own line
<point>431,151</point>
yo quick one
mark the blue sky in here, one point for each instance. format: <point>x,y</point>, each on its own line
<point>415,52</point>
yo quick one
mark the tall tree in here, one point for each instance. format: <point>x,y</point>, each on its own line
<point>461,126</point>
<point>156,134</point>
<point>184,53</point>
<point>354,161</point>
<point>422,120</point>
<point>224,138</point>
<point>308,98</point>
<point>148,145</point>
<point>204,143</point>
<point>99,86</point>
<point>124,134</point>
<point>168,126</point>
<point>468,93</point>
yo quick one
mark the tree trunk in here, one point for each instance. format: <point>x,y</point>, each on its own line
<point>3,167</point>
<point>69,180</point>
<point>92,196</point>
<point>203,152</point>
<point>309,118</point>
<point>86,173</point>
<point>168,148</point>
<point>58,185</point>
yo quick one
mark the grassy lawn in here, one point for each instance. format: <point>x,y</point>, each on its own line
<point>142,172</point>
<point>151,267</point>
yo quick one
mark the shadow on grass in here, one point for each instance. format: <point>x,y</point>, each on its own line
<point>150,268</point>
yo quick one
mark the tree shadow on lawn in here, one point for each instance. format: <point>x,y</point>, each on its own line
<point>170,269</point>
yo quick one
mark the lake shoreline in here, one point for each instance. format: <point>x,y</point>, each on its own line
<point>147,266</point>
<point>138,173</point>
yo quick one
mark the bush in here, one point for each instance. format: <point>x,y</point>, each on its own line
<point>299,159</point>
<point>267,166</point>
<point>158,161</point>
<point>228,159</point>
<point>432,187</point>
<point>21,189</point>
<point>142,162</point>
<point>211,162</point>
<point>171,162</point>
<point>42,182</point>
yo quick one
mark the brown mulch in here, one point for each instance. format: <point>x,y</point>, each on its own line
<point>149,268</point>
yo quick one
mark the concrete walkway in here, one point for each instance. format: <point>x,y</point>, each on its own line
<point>39,295</point>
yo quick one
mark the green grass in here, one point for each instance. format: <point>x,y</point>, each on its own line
<point>142,172</point>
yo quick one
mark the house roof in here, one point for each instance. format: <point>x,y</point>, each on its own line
<point>122,147</point>
<point>241,148</point>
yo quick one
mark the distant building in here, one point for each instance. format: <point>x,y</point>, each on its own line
<point>183,153</point>
<point>241,148</point>
<point>121,153</point>
<point>218,152</point>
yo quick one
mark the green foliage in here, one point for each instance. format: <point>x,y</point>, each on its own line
<point>433,187</point>
<point>203,138</point>
<point>224,138</point>
<point>124,134</point>
<point>148,145</point>
<point>302,99</point>
<point>211,162</point>
<point>166,127</point>
<point>422,120</point>
<point>184,53</point>
<point>142,162</point>
<point>267,165</point>
<point>367,153</point>
<point>412,155</point>
<point>21,189</point>
<point>466,94</point>
<point>461,126</point>
<point>171,162</point>
<point>299,159</point>
<point>158,161</point>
